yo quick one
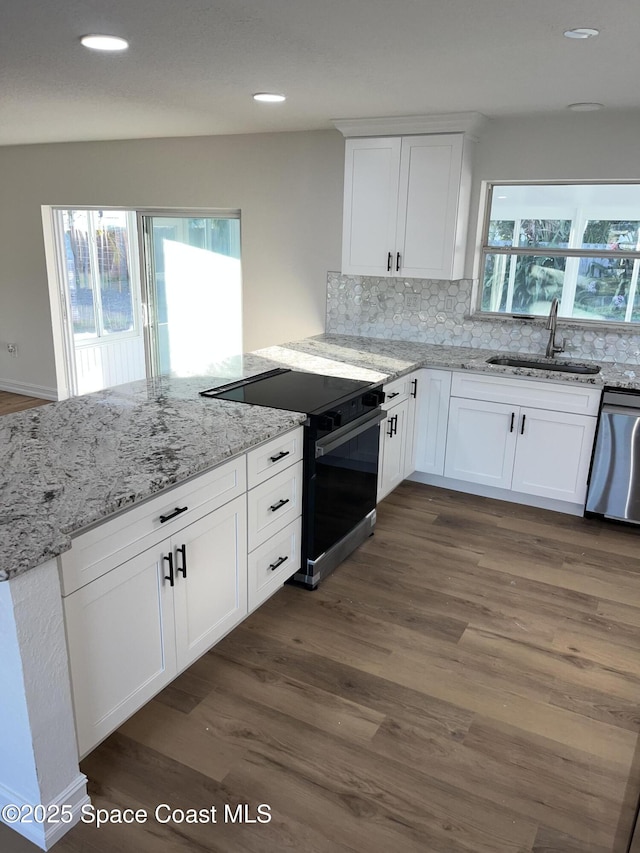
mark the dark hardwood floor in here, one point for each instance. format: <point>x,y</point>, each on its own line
<point>467,682</point>
<point>10,402</point>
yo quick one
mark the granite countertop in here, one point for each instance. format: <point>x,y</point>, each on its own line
<point>67,465</point>
<point>70,464</point>
<point>387,359</point>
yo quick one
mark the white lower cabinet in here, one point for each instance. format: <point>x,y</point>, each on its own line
<point>393,442</point>
<point>132,630</point>
<point>210,591</point>
<point>148,592</point>
<point>121,642</point>
<point>481,442</point>
<point>397,433</point>
<point>553,454</point>
<point>273,562</point>
<point>274,507</point>
<point>529,449</point>
<point>431,420</point>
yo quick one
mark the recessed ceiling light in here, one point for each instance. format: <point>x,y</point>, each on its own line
<point>584,108</point>
<point>502,196</point>
<point>99,42</point>
<point>581,33</point>
<point>268,97</point>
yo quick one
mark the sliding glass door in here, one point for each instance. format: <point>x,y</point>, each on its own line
<point>146,293</point>
<point>194,292</point>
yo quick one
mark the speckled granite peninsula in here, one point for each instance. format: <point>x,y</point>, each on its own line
<point>69,464</point>
<point>66,465</point>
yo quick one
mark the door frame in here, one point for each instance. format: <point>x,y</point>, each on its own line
<point>63,347</point>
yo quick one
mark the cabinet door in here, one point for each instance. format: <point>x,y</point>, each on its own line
<point>212,598</point>
<point>430,176</point>
<point>432,416</point>
<point>120,634</point>
<point>393,438</point>
<point>481,442</point>
<point>553,454</point>
<point>370,205</point>
<point>412,407</point>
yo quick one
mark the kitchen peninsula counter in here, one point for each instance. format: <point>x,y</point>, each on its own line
<point>69,464</point>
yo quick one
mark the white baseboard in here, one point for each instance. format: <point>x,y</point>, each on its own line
<point>498,494</point>
<point>28,390</point>
<point>45,835</point>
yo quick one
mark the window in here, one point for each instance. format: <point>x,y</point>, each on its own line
<point>98,269</point>
<point>577,242</point>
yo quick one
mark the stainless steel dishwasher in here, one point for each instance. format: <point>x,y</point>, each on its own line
<point>614,484</point>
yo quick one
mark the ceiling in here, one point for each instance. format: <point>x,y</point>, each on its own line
<point>193,65</point>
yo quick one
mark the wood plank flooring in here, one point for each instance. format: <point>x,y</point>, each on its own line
<point>10,402</point>
<point>467,682</point>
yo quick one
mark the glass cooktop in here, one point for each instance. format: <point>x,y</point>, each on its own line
<point>310,393</point>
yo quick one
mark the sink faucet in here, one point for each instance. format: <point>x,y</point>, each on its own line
<point>552,320</point>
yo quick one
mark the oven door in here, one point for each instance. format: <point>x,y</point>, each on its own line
<point>341,492</point>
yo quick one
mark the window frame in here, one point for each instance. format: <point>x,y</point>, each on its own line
<point>578,253</point>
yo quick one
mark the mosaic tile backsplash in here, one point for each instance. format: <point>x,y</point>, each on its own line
<point>438,312</point>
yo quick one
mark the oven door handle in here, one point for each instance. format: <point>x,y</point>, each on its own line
<point>339,436</point>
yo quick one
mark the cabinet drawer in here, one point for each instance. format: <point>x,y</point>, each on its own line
<point>559,397</point>
<point>397,391</point>
<point>273,456</point>
<point>273,504</point>
<point>273,562</point>
<point>112,542</point>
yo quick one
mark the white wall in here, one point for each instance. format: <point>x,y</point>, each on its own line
<point>288,187</point>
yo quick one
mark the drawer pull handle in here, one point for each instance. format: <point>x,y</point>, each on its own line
<point>389,261</point>
<point>391,396</point>
<point>522,428</point>
<point>280,504</point>
<point>177,511</point>
<point>182,550</point>
<point>414,388</point>
<point>280,456</point>
<point>398,262</point>
<point>513,417</point>
<point>169,577</point>
<point>278,563</point>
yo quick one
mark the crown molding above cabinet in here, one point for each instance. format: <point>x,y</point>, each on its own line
<point>469,123</point>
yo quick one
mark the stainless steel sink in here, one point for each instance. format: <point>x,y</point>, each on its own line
<point>544,364</point>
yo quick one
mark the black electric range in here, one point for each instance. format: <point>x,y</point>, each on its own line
<point>340,458</point>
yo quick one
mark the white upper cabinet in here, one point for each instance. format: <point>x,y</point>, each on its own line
<point>406,205</point>
<point>372,173</point>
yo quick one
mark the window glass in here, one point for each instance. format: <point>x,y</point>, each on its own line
<point>78,271</point>
<point>545,232</point>
<point>579,243</point>
<point>97,270</point>
<point>112,248</point>
<point>613,236</point>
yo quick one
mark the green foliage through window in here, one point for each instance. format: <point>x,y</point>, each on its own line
<point>561,241</point>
